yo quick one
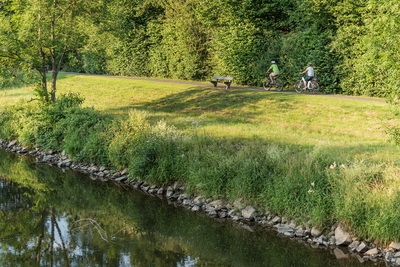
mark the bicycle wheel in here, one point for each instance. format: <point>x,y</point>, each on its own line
<point>315,87</point>
<point>298,86</point>
<point>278,85</point>
<point>266,84</point>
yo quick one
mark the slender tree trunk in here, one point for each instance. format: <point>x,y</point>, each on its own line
<point>52,239</point>
<point>65,250</point>
<point>41,236</point>
<point>53,58</point>
<point>43,68</point>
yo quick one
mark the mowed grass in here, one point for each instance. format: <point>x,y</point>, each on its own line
<point>352,127</point>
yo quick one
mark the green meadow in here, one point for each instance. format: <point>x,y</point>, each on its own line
<point>319,158</point>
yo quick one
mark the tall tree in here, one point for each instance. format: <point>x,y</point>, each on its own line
<point>35,35</point>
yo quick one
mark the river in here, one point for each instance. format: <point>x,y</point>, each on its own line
<point>51,217</point>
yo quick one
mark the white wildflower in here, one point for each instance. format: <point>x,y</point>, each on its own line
<point>333,166</point>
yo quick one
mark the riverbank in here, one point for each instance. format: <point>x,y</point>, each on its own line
<point>314,160</point>
<point>338,240</point>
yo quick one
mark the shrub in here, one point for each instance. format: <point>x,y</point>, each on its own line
<point>126,135</point>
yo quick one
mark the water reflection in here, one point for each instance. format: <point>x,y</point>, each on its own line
<point>53,218</point>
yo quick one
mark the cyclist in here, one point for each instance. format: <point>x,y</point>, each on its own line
<point>275,71</point>
<point>310,74</point>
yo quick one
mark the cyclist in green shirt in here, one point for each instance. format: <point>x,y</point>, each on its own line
<point>275,71</point>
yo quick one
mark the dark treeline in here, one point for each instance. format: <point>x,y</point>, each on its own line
<point>352,43</point>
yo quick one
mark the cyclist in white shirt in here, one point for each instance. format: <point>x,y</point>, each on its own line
<point>310,74</point>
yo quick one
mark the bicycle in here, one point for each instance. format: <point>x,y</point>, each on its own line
<point>276,82</point>
<point>312,85</point>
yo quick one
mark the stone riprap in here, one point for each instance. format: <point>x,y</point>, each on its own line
<point>337,239</point>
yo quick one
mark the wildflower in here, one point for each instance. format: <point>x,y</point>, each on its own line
<point>333,165</point>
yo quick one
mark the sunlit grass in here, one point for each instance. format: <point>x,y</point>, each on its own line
<point>346,125</point>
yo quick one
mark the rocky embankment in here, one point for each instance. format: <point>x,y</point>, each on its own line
<point>336,239</point>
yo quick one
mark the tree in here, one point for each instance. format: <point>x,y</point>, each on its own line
<point>36,35</point>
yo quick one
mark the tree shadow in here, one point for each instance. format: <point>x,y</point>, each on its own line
<point>227,106</point>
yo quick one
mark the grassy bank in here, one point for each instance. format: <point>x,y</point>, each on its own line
<point>309,157</point>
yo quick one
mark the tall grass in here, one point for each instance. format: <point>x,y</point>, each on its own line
<point>305,157</point>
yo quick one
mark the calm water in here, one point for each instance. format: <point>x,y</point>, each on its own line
<point>53,218</point>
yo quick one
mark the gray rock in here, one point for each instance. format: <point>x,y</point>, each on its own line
<point>124,172</point>
<point>315,231</point>
<point>231,213</point>
<point>12,143</point>
<point>395,245</point>
<point>212,213</point>
<point>64,164</point>
<point>360,259</point>
<point>289,234</point>
<point>223,214</point>
<point>195,208</point>
<point>183,197</point>
<point>121,179</point>
<point>101,174</point>
<point>323,240</point>
<point>339,254</point>
<point>388,256</point>
<point>170,192</point>
<point>235,218</point>
<point>199,200</point>
<point>217,204</point>
<point>293,224</point>
<point>249,212</point>
<point>362,247</point>
<point>342,237</point>
<point>353,246</point>
<point>145,187</point>
<point>187,202</point>
<point>47,158</point>
<point>276,220</point>
<point>93,169</point>
<point>160,191</point>
<point>299,233</point>
<point>177,186</point>
<point>372,252</point>
<point>284,228</point>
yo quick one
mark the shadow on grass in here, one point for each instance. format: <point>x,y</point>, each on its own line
<point>225,106</point>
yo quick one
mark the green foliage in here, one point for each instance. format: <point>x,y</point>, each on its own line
<point>310,45</point>
<point>84,135</point>
<point>367,199</point>
<point>159,157</point>
<point>350,42</point>
<point>127,134</point>
<point>366,43</point>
